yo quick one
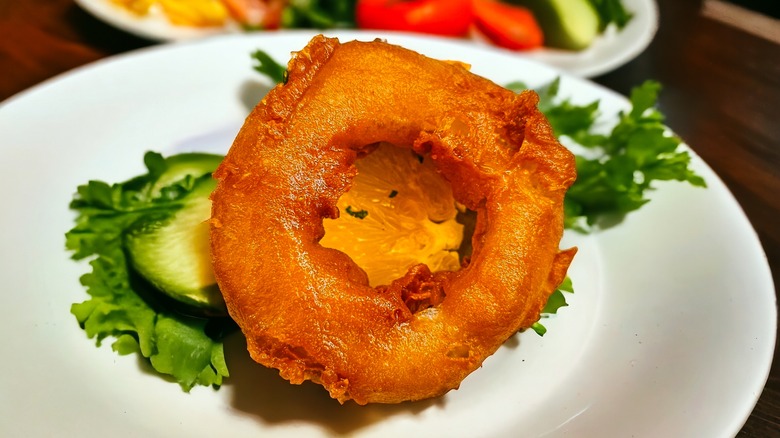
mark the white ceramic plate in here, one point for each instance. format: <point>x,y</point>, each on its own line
<point>609,51</point>
<point>670,332</point>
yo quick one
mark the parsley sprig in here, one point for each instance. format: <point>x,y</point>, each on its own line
<point>617,169</point>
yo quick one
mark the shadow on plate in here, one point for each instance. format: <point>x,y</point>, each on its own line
<point>262,393</point>
<point>252,92</point>
<point>218,141</point>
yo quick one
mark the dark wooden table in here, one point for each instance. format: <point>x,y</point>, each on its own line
<point>721,94</point>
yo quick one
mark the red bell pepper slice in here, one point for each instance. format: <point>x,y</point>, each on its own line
<point>509,26</point>
<point>437,17</point>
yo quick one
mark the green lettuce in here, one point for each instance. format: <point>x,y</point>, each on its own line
<point>121,306</point>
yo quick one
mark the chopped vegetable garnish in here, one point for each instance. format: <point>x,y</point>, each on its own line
<point>360,214</point>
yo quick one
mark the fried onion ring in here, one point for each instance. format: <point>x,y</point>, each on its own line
<point>308,310</point>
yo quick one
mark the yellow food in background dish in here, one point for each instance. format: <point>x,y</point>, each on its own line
<point>138,7</point>
<point>196,13</point>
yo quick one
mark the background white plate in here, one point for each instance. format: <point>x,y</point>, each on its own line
<point>609,51</point>
<point>670,332</point>
<point>612,49</point>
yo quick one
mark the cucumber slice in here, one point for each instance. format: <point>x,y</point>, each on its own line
<point>172,251</point>
<point>180,166</point>
<point>566,24</point>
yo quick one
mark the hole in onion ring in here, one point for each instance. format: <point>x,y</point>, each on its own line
<point>400,213</point>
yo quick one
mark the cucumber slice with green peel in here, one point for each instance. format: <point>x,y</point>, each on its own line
<point>171,250</point>
<point>566,24</point>
<point>178,167</point>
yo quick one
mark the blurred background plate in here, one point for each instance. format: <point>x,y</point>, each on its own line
<point>612,49</point>
<point>608,52</point>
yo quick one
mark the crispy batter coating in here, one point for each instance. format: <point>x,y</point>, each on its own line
<point>308,310</point>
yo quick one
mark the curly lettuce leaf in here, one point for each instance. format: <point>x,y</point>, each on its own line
<point>120,305</point>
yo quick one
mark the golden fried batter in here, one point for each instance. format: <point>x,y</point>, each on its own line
<point>308,310</point>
